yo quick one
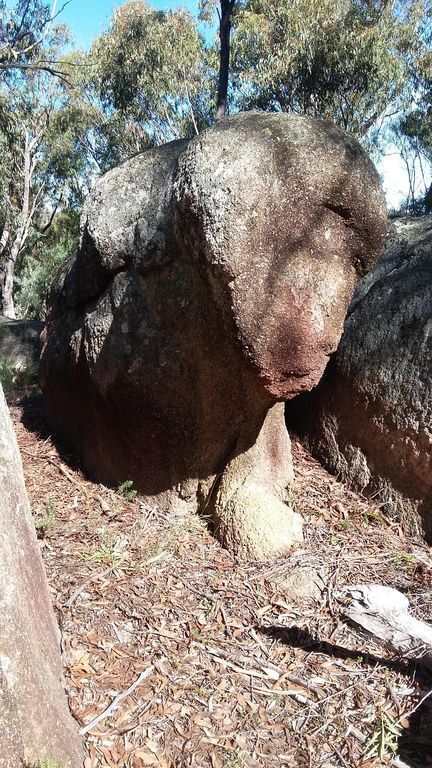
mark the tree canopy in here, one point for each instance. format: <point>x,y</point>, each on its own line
<point>150,68</point>
<point>345,60</point>
<point>66,116</point>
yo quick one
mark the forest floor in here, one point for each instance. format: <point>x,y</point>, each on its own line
<point>236,665</point>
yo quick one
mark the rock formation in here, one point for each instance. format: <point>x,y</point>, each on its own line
<point>19,346</point>
<point>35,722</point>
<point>211,282</point>
<point>369,420</point>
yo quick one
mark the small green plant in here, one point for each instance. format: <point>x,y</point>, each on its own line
<point>45,523</point>
<point>384,740</point>
<point>110,552</point>
<point>290,498</point>
<point>372,517</point>
<point>104,554</point>
<point>15,376</point>
<point>207,605</point>
<point>403,560</point>
<point>127,491</point>
<point>45,762</point>
<point>235,760</point>
<point>202,693</point>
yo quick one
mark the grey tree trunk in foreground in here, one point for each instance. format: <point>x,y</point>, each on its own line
<point>35,722</point>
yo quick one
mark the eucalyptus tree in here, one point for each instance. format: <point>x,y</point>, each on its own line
<point>24,27</point>
<point>414,129</point>
<point>38,170</point>
<point>346,60</point>
<point>150,70</point>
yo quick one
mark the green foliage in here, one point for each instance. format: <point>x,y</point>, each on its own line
<point>405,561</point>
<point>346,60</point>
<point>39,167</point>
<point>16,378</point>
<point>7,374</point>
<point>150,68</point>
<point>22,24</point>
<point>413,130</point>
<point>87,136</point>
<point>126,490</point>
<point>39,267</point>
<point>46,521</point>
<point>45,762</point>
<point>112,551</point>
<point>384,741</point>
<point>372,516</point>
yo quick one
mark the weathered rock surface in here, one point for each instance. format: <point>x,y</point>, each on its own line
<point>212,281</point>
<point>19,344</point>
<point>370,418</point>
<point>35,722</point>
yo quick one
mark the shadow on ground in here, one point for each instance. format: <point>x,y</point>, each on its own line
<point>415,745</point>
<point>33,419</point>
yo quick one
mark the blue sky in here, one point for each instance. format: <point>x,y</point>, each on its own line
<point>88,18</point>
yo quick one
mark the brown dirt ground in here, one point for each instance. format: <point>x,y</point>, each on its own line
<point>239,668</point>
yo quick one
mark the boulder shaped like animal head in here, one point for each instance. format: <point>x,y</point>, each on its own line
<point>285,213</point>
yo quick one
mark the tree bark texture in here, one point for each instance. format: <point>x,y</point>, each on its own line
<point>225,13</point>
<point>12,242</point>
<point>35,722</point>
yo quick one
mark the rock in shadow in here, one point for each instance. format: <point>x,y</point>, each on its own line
<point>33,418</point>
<point>415,744</point>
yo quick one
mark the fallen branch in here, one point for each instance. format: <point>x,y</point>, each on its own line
<point>383,613</point>
<point>267,673</point>
<point>116,701</point>
<point>86,584</point>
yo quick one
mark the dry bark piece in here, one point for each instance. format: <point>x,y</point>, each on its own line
<point>383,612</point>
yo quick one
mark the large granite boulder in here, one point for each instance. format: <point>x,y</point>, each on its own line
<point>211,282</point>
<point>370,418</point>
<point>35,722</point>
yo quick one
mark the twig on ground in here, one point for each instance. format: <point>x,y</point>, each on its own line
<point>225,619</point>
<point>87,583</point>
<point>116,701</point>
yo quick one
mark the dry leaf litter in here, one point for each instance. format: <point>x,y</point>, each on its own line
<point>175,655</point>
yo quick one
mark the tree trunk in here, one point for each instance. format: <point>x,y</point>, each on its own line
<point>7,282</point>
<point>4,239</point>
<point>226,9</point>
<point>36,725</point>
<point>13,246</point>
<point>7,272</point>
